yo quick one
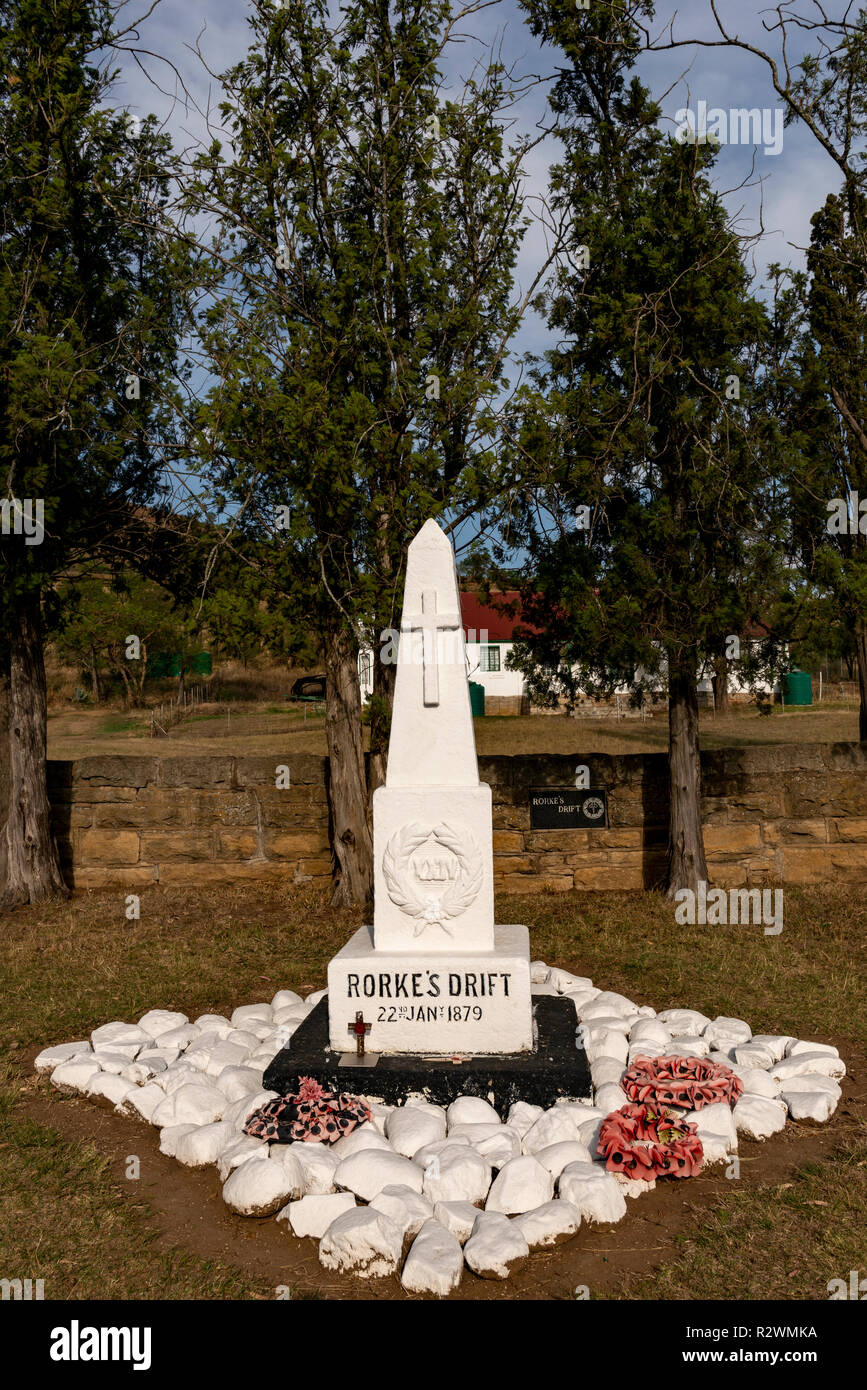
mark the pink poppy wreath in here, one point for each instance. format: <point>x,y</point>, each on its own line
<point>643,1144</point>
<point>311,1116</point>
<point>688,1082</point>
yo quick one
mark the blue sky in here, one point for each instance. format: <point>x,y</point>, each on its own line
<point>783,191</point>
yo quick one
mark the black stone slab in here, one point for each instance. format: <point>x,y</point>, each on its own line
<point>555,1069</point>
<point>564,808</point>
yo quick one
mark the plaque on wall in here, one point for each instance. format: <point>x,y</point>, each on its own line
<point>564,808</point>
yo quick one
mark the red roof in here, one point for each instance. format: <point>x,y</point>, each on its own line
<point>479,617</point>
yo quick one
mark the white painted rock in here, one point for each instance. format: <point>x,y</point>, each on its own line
<point>180,1037</point>
<point>651,1032</point>
<point>261,1189</point>
<point>171,1135</point>
<point>111,1062</point>
<point>758,1116</point>
<point>213,1023</point>
<point>633,1187</point>
<point>114,1089</point>
<point>141,1101</point>
<point>565,982</point>
<point>318,1166</point>
<point>290,1017</point>
<point>284,999</point>
<point>379,1113</point>
<point>495,1142</point>
<point>435,1262</point>
<point>471,1110</point>
<point>239,1111</point>
<point>457,1217</point>
<point>683,1021</point>
<point>314,997</point>
<point>753,1054</point>
<point>776,1043</point>
<point>423,1157</point>
<point>557,1156</point>
<point>240,1150</point>
<point>249,1013</point>
<point>606,1071</point>
<point>204,1144</point>
<point>810,1105</point>
<point>812,1082</point>
<point>256,1028</point>
<point>715,1121</point>
<point>607,1043</point>
<point>176,1075</point>
<point>588,1134</point>
<point>119,1035</point>
<point>610,1098</point>
<point>760,1083</point>
<point>555,1126</point>
<point>550,1224</point>
<point>456,1174</point>
<point>166,1055</point>
<point>807,1064</point>
<point>539,972</point>
<point>688,1047</point>
<point>226,1054</point>
<point>235,1082</point>
<point>616,1003</point>
<point>140,1072</point>
<point>733,1030</point>
<point>363,1242</point>
<point>592,1191</point>
<point>159,1021</point>
<point>311,1216</point>
<point>797,1046</point>
<point>365,1136</point>
<point>410,1127</point>
<point>496,1247</point>
<point>407,1209</point>
<point>51,1057</point>
<point>366,1173</point>
<point>197,1104</point>
<point>521,1184</point>
<point>523,1116</point>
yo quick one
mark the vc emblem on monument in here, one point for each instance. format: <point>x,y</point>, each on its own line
<point>593,808</point>
<point>438,885</point>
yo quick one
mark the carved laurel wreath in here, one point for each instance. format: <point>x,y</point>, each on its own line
<point>434,909</point>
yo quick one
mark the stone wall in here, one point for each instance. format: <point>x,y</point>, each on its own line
<point>771,814</point>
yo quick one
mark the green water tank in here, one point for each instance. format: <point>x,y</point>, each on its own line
<point>797,688</point>
<point>201,664</point>
<point>477,699</point>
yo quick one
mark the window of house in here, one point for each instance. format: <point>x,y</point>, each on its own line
<point>490,659</point>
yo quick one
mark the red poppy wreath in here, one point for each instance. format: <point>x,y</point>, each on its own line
<point>688,1082</point>
<point>644,1144</point>
<point>311,1116</point>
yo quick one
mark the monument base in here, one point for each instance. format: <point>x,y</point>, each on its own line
<point>555,1070</point>
<point>448,1004</point>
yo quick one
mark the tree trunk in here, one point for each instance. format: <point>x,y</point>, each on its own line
<point>347,783</point>
<point>4,758</point>
<point>721,685</point>
<point>381,705</point>
<point>686,861</point>
<point>94,677</point>
<point>861,650</point>
<point>32,865</point>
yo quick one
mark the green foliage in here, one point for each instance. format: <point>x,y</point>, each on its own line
<point>89,292</point>
<point>360,254</point>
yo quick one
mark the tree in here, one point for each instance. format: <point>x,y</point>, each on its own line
<point>89,320</point>
<point>648,501</point>
<point>358,313</point>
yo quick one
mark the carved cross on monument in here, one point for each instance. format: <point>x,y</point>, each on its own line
<point>359,1028</point>
<point>430,624</point>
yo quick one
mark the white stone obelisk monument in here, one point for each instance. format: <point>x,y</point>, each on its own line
<point>433,976</point>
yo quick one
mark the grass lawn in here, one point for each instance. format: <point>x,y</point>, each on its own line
<point>69,1214</point>
<point>268,729</point>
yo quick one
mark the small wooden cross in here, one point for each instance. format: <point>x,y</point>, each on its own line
<point>359,1028</point>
